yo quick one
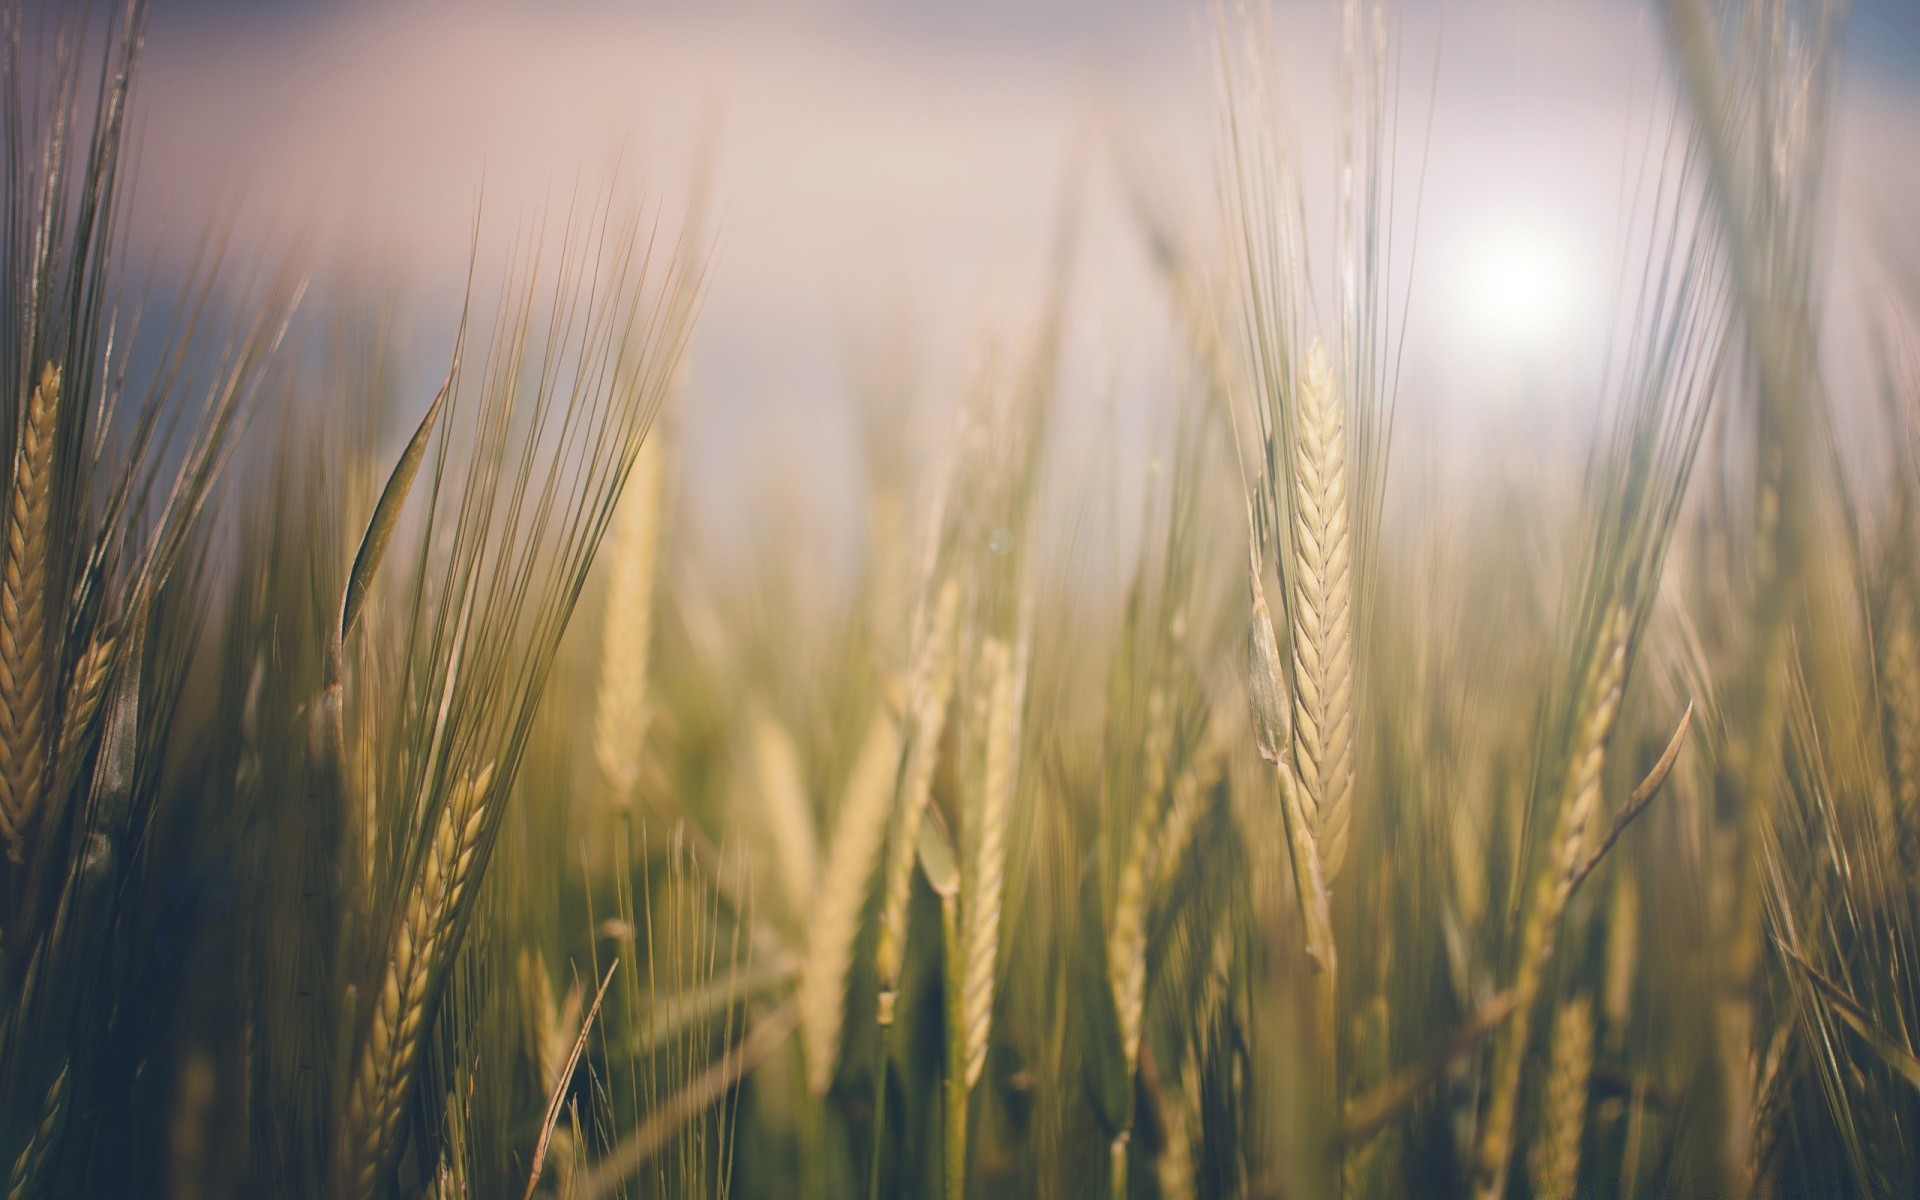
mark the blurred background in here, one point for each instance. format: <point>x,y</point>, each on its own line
<point>884,179</point>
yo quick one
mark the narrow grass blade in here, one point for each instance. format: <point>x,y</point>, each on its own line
<point>1859,1020</point>
<point>1637,802</point>
<point>386,513</point>
<point>562,1082</point>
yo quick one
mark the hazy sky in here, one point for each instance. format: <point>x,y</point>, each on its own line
<point>885,169</point>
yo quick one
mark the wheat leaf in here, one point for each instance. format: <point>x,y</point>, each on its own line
<point>386,514</point>
<point>936,857</point>
<point>1637,802</point>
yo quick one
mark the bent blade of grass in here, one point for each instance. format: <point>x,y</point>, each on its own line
<point>562,1079</point>
<point>386,513</point>
<point>1637,802</point>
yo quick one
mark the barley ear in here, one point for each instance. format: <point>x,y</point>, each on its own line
<point>620,709</point>
<point>30,1165</point>
<point>931,690</point>
<point>1900,711</point>
<point>858,833</point>
<point>383,1072</point>
<point>23,609</point>
<point>84,689</point>
<point>987,881</point>
<point>1266,686</point>
<point>1555,1161</point>
<point>1322,609</point>
<point>1127,935</point>
<point>784,808</point>
<point>1578,805</point>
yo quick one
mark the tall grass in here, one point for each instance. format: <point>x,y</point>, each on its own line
<point>1552,837</point>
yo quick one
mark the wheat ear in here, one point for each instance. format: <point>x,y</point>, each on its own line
<point>1006,683</point>
<point>1266,686</point>
<point>84,689</point>
<point>1622,952</point>
<point>23,601</point>
<point>626,645</point>
<point>858,833</point>
<point>31,1164</point>
<point>1180,1123</point>
<point>1191,795</point>
<point>1322,609</point>
<point>1579,803</point>
<point>384,1070</point>
<point>1556,1157</point>
<point>1127,934</point>
<point>932,689</point>
<point>1900,700</point>
<point>782,785</point>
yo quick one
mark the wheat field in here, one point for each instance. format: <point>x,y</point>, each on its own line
<point>429,816</point>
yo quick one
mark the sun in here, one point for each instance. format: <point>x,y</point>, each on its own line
<point>1523,287</point>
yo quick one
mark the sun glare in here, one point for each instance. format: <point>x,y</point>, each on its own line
<point>1523,288</point>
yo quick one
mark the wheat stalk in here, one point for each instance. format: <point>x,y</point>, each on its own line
<point>23,600</point>
<point>626,644</point>
<point>1555,1162</point>
<point>1322,609</point>
<point>1006,682</point>
<point>384,1069</point>
<point>1579,803</point>
<point>858,833</point>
